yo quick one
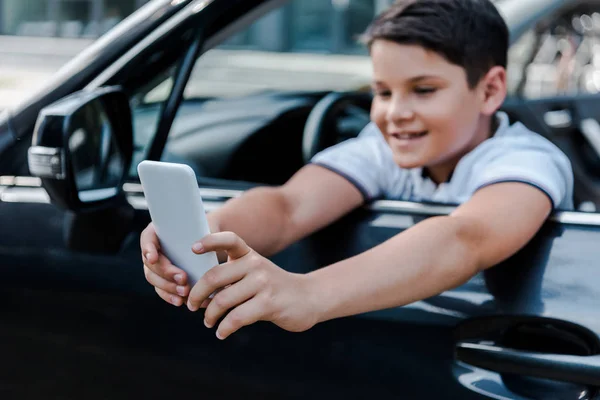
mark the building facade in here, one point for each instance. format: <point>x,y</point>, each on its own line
<point>63,18</point>
<point>328,26</point>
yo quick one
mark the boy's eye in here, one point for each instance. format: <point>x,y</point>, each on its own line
<point>425,89</point>
<point>382,93</point>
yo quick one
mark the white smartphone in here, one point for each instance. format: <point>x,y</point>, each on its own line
<point>178,214</point>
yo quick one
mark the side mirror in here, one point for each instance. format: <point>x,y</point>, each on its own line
<point>82,148</point>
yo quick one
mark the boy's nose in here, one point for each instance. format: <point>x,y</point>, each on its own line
<point>399,111</point>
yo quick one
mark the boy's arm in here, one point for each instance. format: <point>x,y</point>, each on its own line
<point>270,219</point>
<point>436,255</point>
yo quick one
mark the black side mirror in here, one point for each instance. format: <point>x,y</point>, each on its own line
<point>82,148</point>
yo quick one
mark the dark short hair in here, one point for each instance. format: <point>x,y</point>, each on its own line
<point>469,33</point>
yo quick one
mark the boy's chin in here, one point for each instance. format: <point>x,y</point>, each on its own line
<point>407,162</point>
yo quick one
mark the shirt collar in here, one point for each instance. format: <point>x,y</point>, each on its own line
<point>419,174</point>
<point>503,123</point>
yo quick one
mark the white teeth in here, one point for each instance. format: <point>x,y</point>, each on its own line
<point>410,135</point>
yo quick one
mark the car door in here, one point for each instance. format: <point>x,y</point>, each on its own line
<point>83,322</point>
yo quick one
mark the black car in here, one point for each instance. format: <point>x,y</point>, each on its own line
<point>78,319</point>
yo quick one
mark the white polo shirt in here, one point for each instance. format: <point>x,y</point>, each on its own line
<point>512,154</point>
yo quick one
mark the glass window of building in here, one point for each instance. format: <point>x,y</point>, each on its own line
<point>73,17</point>
<point>26,17</point>
<point>358,16</point>
<point>322,26</point>
<point>311,25</point>
<point>331,26</point>
<point>63,18</point>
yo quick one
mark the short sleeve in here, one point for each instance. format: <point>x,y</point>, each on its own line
<point>359,160</point>
<point>546,168</point>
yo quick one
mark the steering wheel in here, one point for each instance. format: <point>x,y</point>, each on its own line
<point>322,126</point>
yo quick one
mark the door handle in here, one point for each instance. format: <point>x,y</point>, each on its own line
<point>558,118</point>
<point>583,370</point>
<point>590,128</point>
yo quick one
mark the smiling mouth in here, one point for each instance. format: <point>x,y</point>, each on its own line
<point>409,136</point>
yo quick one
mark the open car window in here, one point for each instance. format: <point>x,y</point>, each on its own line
<point>247,99</point>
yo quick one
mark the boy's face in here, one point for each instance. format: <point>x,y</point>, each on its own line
<point>424,107</point>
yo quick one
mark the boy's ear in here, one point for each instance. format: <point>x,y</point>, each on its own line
<point>493,86</point>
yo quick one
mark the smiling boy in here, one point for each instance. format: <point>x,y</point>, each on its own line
<point>439,78</point>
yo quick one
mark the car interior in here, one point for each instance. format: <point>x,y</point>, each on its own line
<point>256,139</point>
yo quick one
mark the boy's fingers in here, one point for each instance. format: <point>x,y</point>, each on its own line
<point>243,315</point>
<point>165,285</point>
<point>227,299</point>
<point>149,244</point>
<point>205,303</point>
<point>169,298</point>
<point>168,271</point>
<point>214,279</point>
<point>223,241</point>
<point>149,254</point>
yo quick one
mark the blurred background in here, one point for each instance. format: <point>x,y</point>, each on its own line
<point>329,25</point>
<point>37,37</point>
<point>306,44</point>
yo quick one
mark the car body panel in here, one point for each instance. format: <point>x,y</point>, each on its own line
<point>98,310</point>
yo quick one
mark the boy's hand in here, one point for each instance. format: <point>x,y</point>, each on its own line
<point>170,282</point>
<point>253,288</point>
